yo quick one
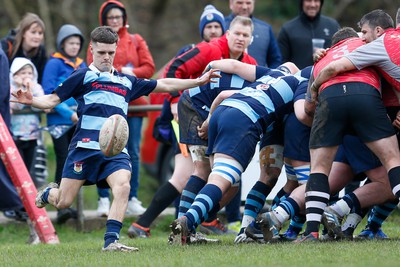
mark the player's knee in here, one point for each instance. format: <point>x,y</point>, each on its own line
<point>228,169</point>
<point>271,159</point>
<point>198,153</point>
<point>121,190</point>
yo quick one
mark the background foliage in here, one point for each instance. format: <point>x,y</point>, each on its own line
<point>167,25</point>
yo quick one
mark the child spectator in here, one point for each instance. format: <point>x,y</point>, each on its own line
<point>60,65</point>
<point>24,126</point>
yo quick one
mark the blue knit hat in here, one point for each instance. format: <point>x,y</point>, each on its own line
<point>211,14</point>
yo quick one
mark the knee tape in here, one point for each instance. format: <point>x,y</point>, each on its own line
<point>229,169</point>
<point>272,156</point>
<point>290,172</point>
<point>302,173</point>
<point>198,153</point>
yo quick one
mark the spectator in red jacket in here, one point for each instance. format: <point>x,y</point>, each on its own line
<point>133,57</point>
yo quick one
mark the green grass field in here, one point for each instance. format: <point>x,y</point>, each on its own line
<point>84,249</point>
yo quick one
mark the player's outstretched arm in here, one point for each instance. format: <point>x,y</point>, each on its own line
<point>233,66</point>
<point>41,102</point>
<point>169,85</point>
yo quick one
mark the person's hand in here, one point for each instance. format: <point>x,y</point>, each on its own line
<point>396,122</point>
<point>208,77</point>
<point>202,130</point>
<point>319,54</point>
<point>28,83</point>
<point>23,96</point>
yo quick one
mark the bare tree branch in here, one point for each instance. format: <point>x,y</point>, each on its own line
<point>12,12</point>
<point>44,12</point>
<point>341,6</point>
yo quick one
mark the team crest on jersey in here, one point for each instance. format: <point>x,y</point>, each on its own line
<point>78,167</point>
<point>262,86</point>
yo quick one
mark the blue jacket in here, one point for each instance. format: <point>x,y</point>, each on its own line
<point>57,69</point>
<point>264,47</point>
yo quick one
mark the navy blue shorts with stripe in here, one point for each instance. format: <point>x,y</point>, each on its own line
<point>232,133</point>
<point>93,167</point>
<point>297,138</point>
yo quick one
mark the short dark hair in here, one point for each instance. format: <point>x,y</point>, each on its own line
<point>104,34</point>
<point>342,34</point>
<point>376,18</point>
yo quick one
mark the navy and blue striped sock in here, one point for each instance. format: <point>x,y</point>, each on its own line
<point>204,202</point>
<point>380,213</point>
<point>113,228</point>
<point>280,196</point>
<point>296,223</point>
<point>290,206</point>
<point>255,199</point>
<point>193,186</point>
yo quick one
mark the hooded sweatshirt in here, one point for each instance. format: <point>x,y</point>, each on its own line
<point>295,36</point>
<point>132,51</point>
<point>24,126</point>
<point>57,69</point>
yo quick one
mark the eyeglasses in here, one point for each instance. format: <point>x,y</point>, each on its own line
<point>114,18</point>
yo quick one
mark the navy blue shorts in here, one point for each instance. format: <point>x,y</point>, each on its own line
<point>273,136</point>
<point>349,108</point>
<point>189,119</point>
<point>93,167</point>
<point>356,154</point>
<point>297,138</point>
<point>232,133</point>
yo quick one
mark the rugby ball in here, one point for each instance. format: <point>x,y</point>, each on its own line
<point>113,135</point>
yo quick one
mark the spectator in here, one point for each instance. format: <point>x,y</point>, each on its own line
<point>60,65</point>
<point>295,36</point>
<point>27,41</point>
<point>211,26</point>
<point>264,47</point>
<point>133,58</point>
<point>25,127</point>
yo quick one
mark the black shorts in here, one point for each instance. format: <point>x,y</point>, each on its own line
<point>349,108</point>
<point>189,119</point>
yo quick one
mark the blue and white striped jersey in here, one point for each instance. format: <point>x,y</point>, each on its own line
<point>203,96</point>
<point>268,99</point>
<point>100,95</point>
